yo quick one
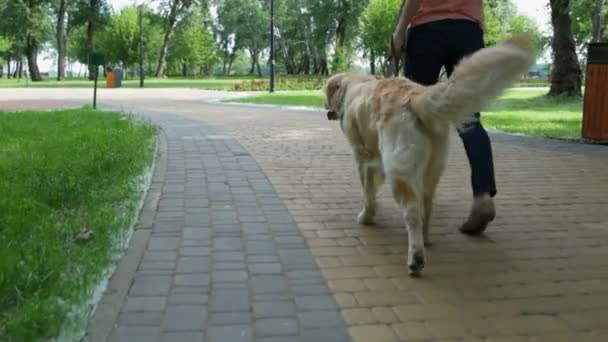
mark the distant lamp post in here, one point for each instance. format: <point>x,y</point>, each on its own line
<point>272,75</point>
<point>140,9</point>
<point>140,18</point>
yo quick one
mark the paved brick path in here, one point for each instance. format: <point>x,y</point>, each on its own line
<point>242,181</point>
<point>540,274</point>
<point>225,261</point>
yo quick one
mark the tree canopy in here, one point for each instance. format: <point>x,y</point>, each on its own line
<point>193,37</point>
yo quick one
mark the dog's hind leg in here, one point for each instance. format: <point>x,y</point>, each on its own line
<point>433,174</point>
<point>428,212</point>
<point>413,208</point>
<point>371,176</point>
<point>431,182</point>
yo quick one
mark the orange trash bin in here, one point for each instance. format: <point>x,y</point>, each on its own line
<point>110,79</point>
<point>595,107</point>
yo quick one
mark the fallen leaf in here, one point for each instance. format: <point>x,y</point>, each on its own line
<point>85,235</point>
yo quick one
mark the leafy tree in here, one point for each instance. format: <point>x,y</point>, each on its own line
<point>77,48</point>
<point>5,44</point>
<point>152,25</point>
<point>5,47</point>
<point>60,8</point>
<point>494,28</point>
<point>348,15</point>
<point>172,11</point>
<point>242,24</point>
<point>502,21</point>
<point>599,20</point>
<point>27,24</point>
<point>378,28</point>
<point>94,14</point>
<point>523,24</point>
<point>120,39</point>
<point>589,22</point>
<point>305,30</point>
<point>253,31</point>
<point>321,26</point>
<point>225,29</point>
<point>193,46</point>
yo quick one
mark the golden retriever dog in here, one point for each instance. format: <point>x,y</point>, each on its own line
<point>399,130</point>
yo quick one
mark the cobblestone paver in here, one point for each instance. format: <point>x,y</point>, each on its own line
<point>225,261</point>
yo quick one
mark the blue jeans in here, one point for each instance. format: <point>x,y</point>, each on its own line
<point>443,44</point>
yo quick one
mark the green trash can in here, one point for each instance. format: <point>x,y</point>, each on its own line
<point>117,77</point>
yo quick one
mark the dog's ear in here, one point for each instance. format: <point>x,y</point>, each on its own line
<point>337,100</point>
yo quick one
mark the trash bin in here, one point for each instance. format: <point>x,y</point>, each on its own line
<point>110,78</point>
<point>117,78</point>
<point>595,107</point>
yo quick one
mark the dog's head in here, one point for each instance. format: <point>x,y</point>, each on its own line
<point>335,91</point>
<point>334,95</point>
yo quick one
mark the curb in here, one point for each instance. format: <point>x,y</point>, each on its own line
<point>257,105</point>
<point>102,321</point>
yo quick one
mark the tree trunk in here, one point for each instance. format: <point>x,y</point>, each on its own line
<point>253,59</point>
<point>31,51</point>
<point>90,46</point>
<point>171,20</point>
<point>340,35</point>
<point>19,70</point>
<point>315,62</point>
<point>184,70</point>
<point>372,62</point>
<point>231,61</point>
<point>341,40</point>
<point>566,77</point>
<point>323,70</point>
<point>287,59</point>
<point>162,59</point>
<point>61,38</point>
<point>257,63</point>
<point>225,58</point>
<point>596,25</point>
<point>307,62</point>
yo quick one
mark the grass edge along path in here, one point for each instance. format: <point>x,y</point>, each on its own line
<point>225,83</point>
<point>519,111</point>
<point>70,182</point>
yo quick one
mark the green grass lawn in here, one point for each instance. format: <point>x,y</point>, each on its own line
<point>296,98</point>
<point>532,113</point>
<point>62,174</point>
<point>517,111</point>
<point>229,83</point>
<point>208,83</point>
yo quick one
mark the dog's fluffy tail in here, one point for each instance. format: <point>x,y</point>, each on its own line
<point>475,81</point>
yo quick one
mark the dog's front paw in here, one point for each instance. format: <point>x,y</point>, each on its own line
<point>365,217</point>
<point>415,263</point>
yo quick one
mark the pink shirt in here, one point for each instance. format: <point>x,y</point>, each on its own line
<point>435,10</point>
